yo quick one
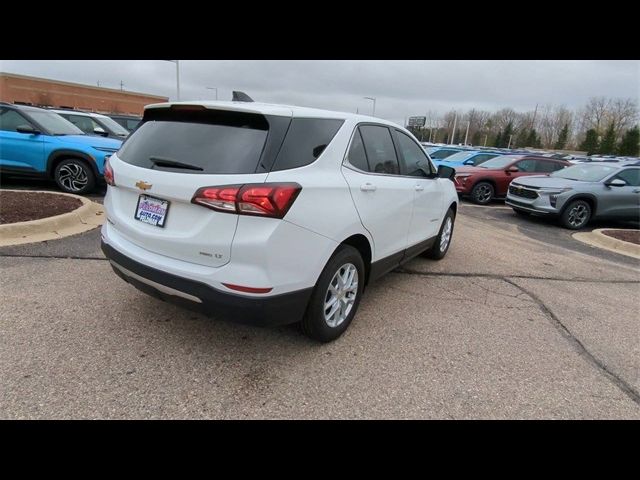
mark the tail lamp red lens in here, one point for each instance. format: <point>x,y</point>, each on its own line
<point>260,199</point>
<point>242,288</point>
<point>108,174</point>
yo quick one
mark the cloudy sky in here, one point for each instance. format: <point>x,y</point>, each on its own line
<point>401,88</point>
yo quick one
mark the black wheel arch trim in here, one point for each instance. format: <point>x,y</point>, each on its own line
<point>66,153</point>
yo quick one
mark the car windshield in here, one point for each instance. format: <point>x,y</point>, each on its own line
<point>499,162</point>
<point>585,172</point>
<point>54,123</point>
<point>112,125</point>
<point>459,157</point>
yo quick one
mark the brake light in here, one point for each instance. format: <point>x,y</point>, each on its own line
<point>261,199</point>
<point>108,174</point>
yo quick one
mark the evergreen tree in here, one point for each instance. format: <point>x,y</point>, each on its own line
<point>533,140</point>
<point>562,138</point>
<point>608,144</point>
<point>476,139</point>
<point>521,139</point>
<point>630,144</point>
<point>590,143</point>
<point>508,131</point>
<point>498,142</point>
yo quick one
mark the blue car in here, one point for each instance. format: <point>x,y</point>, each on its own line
<point>471,158</point>
<point>39,143</point>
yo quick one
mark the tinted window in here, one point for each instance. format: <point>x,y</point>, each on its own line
<point>440,154</point>
<point>631,176</point>
<point>527,166</point>
<point>379,147</point>
<point>305,141</point>
<point>356,156</point>
<point>132,124</point>
<point>10,120</point>
<point>86,124</point>
<point>482,157</point>
<point>415,161</point>
<point>213,141</point>
<point>548,167</point>
<point>54,123</point>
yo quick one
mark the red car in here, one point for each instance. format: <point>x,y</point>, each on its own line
<point>491,179</point>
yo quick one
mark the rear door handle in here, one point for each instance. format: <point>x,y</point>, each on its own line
<point>368,187</point>
<point>419,188</point>
<point>637,190</point>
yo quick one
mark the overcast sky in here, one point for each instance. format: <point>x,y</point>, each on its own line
<point>401,88</point>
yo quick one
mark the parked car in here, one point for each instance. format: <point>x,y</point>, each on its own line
<point>129,122</point>
<point>444,152</point>
<point>470,158</point>
<point>580,193</point>
<point>94,124</point>
<point>491,179</point>
<point>35,142</point>
<point>271,214</point>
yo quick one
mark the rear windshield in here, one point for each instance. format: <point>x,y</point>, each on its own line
<point>208,142</point>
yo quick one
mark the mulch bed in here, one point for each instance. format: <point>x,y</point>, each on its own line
<point>632,236</point>
<point>25,206</point>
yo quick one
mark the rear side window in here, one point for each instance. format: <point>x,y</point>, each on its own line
<point>305,141</point>
<point>356,156</point>
<point>208,142</point>
<point>548,167</point>
<point>380,151</point>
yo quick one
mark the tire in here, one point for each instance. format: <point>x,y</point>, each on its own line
<point>443,240</point>
<point>576,215</point>
<point>482,193</point>
<point>522,213</point>
<point>325,328</point>
<point>73,175</point>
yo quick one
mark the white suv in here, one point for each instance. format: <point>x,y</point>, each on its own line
<point>271,214</point>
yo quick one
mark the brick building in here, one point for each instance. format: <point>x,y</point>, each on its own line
<point>41,92</point>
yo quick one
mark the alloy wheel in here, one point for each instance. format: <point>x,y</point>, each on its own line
<point>73,177</point>
<point>341,295</point>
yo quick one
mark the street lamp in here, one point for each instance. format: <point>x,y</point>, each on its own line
<point>177,62</point>
<point>374,104</point>
<point>213,88</point>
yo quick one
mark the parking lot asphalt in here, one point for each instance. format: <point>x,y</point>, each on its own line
<point>518,321</point>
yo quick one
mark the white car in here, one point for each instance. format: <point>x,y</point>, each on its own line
<point>271,214</point>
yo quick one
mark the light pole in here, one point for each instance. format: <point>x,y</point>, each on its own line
<point>374,104</point>
<point>177,62</point>
<point>213,88</point>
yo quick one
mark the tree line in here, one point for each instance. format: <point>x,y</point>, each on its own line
<point>607,126</point>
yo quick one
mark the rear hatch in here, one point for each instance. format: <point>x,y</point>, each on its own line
<point>174,152</point>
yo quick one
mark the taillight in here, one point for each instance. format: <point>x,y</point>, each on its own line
<point>108,174</point>
<point>261,199</point>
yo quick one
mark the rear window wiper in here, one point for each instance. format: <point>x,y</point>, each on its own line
<point>167,162</point>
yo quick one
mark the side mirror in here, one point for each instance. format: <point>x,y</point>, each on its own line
<point>100,131</point>
<point>468,162</point>
<point>616,183</point>
<point>512,170</point>
<point>27,129</point>
<point>446,172</point>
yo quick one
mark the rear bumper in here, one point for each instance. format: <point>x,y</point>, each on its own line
<point>268,311</point>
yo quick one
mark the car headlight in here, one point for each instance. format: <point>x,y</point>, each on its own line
<point>554,194</point>
<point>462,178</point>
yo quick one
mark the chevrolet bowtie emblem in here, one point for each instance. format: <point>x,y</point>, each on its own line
<point>143,185</point>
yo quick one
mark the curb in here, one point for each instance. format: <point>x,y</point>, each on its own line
<point>84,218</point>
<point>598,239</point>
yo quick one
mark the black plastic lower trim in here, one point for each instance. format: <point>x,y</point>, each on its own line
<point>268,311</point>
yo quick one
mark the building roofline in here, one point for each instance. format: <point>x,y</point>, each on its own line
<point>72,84</point>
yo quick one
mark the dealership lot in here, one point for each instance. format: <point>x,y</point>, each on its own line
<point>518,321</point>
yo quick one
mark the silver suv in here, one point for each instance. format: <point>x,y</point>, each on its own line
<point>580,193</point>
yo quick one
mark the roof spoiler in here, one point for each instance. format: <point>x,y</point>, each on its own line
<point>241,97</point>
